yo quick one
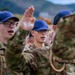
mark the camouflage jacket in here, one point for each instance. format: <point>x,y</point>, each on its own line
<point>3,68</point>
<point>64,42</point>
<point>29,62</point>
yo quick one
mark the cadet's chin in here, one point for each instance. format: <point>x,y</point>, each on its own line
<point>10,35</point>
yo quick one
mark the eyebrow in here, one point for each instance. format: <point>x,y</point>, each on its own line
<point>10,21</point>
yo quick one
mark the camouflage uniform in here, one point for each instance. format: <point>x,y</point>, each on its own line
<point>64,42</point>
<point>3,68</point>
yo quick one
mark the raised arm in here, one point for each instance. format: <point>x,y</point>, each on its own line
<point>15,44</point>
<point>64,42</point>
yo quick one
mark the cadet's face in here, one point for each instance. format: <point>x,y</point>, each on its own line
<point>39,36</point>
<point>7,29</point>
<point>31,39</point>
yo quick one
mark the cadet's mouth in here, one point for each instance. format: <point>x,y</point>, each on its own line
<point>42,37</point>
<point>11,31</point>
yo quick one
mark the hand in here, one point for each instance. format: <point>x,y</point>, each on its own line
<point>27,21</point>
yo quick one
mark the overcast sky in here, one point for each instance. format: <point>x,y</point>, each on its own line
<point>62,1</point>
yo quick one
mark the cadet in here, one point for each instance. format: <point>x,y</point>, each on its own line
<point>62,19</point>
<point>8,22</point>
<point>8,27</point>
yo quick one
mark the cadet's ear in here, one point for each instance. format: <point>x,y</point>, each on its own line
<point>54,27</point>
<point>32,32</point>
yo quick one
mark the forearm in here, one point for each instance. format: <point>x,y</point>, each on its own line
<point>14,47</point>
<point>15,44</point>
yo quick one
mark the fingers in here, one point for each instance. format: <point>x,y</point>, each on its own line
<point>29,12</point>
<point>27,20</point>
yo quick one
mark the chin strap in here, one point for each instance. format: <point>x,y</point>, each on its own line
<point>52,65</point>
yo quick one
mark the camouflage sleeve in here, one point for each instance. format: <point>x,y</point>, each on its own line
<point>64,41</point>
<point>14,56</point>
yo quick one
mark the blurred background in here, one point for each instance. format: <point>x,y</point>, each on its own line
<point>43,8</point>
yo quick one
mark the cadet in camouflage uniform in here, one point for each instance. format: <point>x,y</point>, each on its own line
<point>8,27</point>
<point>7,24</point>
<point>65,39</point>
<point>36,61</point>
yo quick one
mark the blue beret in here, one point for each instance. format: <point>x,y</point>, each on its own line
<point>61,14</point>
<point>40,25</point>
<point>5,15</point>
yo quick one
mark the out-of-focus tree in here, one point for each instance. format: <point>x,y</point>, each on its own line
<point>48,21</point>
